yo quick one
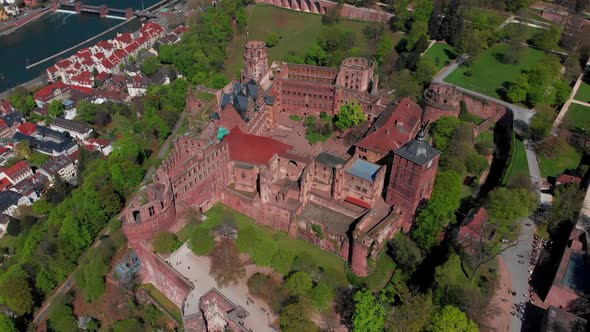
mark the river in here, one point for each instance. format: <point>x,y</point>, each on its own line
<point>53,33</point>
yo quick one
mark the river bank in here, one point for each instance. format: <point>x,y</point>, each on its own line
<point>33,84</point>
<point>10,26</point>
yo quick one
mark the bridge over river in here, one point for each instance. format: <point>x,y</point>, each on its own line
<point>78,7</point>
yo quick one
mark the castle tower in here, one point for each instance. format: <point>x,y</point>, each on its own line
<point>356,74</point>
<point>412,177</point>
<point>255,61</point>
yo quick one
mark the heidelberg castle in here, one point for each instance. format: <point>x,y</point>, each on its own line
<point>360,201</point>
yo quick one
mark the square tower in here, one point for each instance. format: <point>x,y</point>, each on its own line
<point>412,177</point>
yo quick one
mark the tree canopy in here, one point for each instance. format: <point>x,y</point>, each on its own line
<point>369,312</point>
<point>451,319</point>
<point>351,114</point>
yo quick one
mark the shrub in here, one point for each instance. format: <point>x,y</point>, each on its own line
<point>272,39</point>
<point>201,242</point>
<point>165,242</point>
<point>468,73</point>
<point>318,230</point>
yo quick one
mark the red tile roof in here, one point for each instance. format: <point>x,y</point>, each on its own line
<point>3,149</point>
<point>565,178</point>
<point>48,90</point>
<point>5,184</point>
<point>27,128</point>
<point>395,127</point>
<point>100,141</point>
<point>3,124</point>
<point>82,89</point>
<point>358,202</point>
<point>84,77</point>
<point>17,169</point>
<point>52,69</point>
<point>125,38</point>
<point>253,149</point>
<point>102,76</point>
<point>105,45</point>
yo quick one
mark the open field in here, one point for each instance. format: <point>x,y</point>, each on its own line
<point>578,116</point>
<point>566,157</point>
<point>518,162</point>
<point>298,31</point>
<point>488,74</point>
<point>441,55</point>
<point>583,93</point>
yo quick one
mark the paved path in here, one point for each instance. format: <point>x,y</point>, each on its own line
<point>196,269</point>
<point>519,272</point>
<point>533,164</point>
<point>566,105</point>
<point>581,103</point>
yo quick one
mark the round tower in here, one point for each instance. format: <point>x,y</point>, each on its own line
<point>255,61</point>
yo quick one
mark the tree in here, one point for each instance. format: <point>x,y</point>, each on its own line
<point>165,242</point>
<point>294,318</point>
<point>322,296</point>
<point>201,241</point>
<point>435,21</point>
<point>402,15</point>
<point>547,38</point>
<point>56,108</point>
<point>351,114</point>
<point>440,209</point>
<point>384,47</point>
<point>542,122</point>
<point>91,279</point>
<point>299,284</point>
<point>567,203</point>
<point>369,313</point>
<point>226,267</point>
<point>452,24</point>
<point>451,319</point>
<point>443,131</point>
<point>126,325</point>
<point>61,317</point>
<point>406,253</point>
<point>476,164</point>
<point>23,149</point>
<point>16,291</point>
<point>515,5</point>
<point>282,261</point>
<point>425,70</point>
<point>272,39</point>
<point>316,56</point>
<point>510,204</point>
<point>6,324</point>
<point>517,91</point>
<point>413,315</point>
<point>150,65</point>
<point>332,14</point>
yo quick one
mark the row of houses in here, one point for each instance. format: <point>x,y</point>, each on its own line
<point>106,56</point>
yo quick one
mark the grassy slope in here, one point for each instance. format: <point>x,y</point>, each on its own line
<point>439,54</point>
<point>298,30</point>
<point>518,163</point>
<point>583,93</point>
<point>162,300</point>
<point>579,115</point>
<point>565,158</point>
<point>489,74</point>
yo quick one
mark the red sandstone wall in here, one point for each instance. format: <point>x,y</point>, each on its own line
<point>144,230</point>
<point>320,7</point>
<point>157,272</point>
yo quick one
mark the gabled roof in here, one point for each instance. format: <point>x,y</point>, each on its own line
<point>47,91</point>
<point>397,125</point>
<point>253,149</point>
<point>473,224</point>
<point>71,125</point>
<point>27,128</point>
<point>329,159</point>
<point>566,178</point>
<point>56,164</point>
<point>17,169</point>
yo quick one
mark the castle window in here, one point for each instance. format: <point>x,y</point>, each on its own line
<point>151,211</point>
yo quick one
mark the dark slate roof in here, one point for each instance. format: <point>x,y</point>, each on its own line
<point>329,159</point>
<point>269,100</point>
<point>47,146</point>
<point>8,198</point>
<point>13,118</point>
<point>71,125</point>
<point>418,150</point>
<point>252,89</point>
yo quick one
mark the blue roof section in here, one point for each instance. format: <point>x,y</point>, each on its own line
<point>364,170</point>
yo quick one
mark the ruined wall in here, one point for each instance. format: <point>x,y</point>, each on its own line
<point>321,6</point>
<point>445,100</point>
<point>156,271</point>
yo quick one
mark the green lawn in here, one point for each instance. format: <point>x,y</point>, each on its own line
<point>163,301</point>
<point>298,30</point>
<point>578,116</point>
<point>518,162</point>
<point>583,93</point>
<point>441,55</point>
<point>185,233</point>
<point>489,74</point>
<point>332,265</point>
<point>566,158</point>
<point>527,31</point>
<point>384,270</point>
<point>486,136</point>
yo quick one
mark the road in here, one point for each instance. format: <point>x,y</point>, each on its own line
<point>519,274</point>
<point>533,163</point>
<point>520,113</point>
